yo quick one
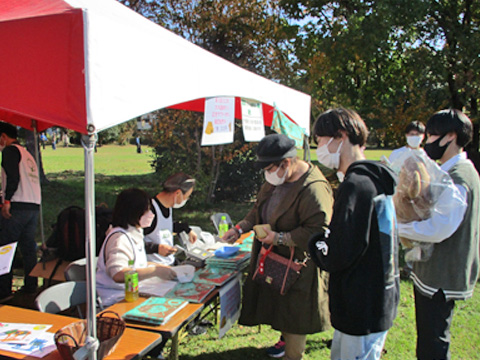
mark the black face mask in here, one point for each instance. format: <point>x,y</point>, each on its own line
<point>434,150</point>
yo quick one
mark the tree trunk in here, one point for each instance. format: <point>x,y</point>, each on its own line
<point>472,148</point>
<point>214,174</point>
<point>199,151</point>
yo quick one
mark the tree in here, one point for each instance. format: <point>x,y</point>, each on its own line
<point>237,178</point>
<point>393,64</point>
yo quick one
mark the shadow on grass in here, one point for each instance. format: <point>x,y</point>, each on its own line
<point>243,353</point>
<point>313,348</point>
<point>66,188</point>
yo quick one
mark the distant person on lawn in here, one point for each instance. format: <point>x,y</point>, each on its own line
<point>414,134</point>
<point>21,206</point>
<point>139,145</point>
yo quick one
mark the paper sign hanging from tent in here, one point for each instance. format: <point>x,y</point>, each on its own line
<point>283,125</point>
<point>252,120</point>
<point>218,121</point>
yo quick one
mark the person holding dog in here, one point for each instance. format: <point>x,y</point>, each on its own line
<point>451,272</point>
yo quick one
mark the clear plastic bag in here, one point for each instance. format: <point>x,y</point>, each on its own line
<point>421,183</point>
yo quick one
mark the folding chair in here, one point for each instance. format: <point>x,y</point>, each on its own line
<point>77,270</point>
<point>63,296</point>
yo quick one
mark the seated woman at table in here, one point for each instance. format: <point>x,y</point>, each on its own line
<point>177,189</point>
<point>297,202</point>
<point>124,242</point>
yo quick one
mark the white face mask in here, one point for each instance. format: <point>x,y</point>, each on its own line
<point>414,141</point>
<point>182,204</point>
<point>328,159</point>
<point>273,177</point>
<point>146,219</point>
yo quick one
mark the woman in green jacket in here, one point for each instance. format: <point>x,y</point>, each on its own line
<point>296,201</point>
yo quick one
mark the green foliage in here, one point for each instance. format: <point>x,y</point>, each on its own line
<point>120,134</point>
<point>228,167</point>
<point>238,179</point>
<point>390,63</point>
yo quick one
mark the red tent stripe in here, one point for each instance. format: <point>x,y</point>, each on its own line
<point>198,105</point>
<point>41,75</point>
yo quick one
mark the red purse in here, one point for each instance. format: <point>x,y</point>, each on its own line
<point>275,271</point>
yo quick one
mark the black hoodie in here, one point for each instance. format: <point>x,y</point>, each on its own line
<point>361,251</point>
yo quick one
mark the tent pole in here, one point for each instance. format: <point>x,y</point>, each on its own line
<point>37,159</point>
<point>88,142</point>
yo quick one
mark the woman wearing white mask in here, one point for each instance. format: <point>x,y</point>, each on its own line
<point>414,133</point>
<point>177,189</point>
<point>124,242</point>
<point>296,201</point>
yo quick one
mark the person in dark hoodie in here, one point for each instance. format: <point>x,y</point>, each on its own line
<point>360,248</point>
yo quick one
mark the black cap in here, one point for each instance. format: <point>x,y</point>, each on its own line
<point>273,148</point>
<point>8,129</point>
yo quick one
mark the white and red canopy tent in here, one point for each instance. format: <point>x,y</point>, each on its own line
<point>74,63</point>
<point>88,65</point>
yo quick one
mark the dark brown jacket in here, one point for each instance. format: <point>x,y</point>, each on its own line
<point>306,209</point>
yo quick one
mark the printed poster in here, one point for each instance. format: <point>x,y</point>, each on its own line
<point>218,121</point>
<point>27,339</point>
<point>229,306</point>
<point>7,253</point>
<point>252,120</point>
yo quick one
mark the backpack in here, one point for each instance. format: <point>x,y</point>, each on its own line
<point>68,236</point>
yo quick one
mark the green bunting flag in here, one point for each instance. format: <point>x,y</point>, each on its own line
<point>283,125</point>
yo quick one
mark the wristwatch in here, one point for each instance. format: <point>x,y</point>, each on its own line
<point>280,238</point>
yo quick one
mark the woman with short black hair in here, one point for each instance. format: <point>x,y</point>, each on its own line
<point>124,242</point>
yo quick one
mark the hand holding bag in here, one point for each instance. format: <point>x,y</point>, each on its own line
<point>276,271</point>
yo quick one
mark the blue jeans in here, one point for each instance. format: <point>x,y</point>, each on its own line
<point>349,347</point>
<point>20,228</point>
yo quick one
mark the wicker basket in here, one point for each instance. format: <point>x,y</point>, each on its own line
<point>71,337</point>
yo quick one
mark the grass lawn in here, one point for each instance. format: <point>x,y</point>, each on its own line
<point>120,167</point>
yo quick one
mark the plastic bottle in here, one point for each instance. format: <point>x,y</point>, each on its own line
<point>131,283</point>
<point>222,226</point>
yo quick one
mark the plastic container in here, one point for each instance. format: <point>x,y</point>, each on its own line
<point>226,251</point>
<point>131,283</point>
<point>222,226</point>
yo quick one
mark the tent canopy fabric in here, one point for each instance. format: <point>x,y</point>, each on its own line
<point>75,63</point>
